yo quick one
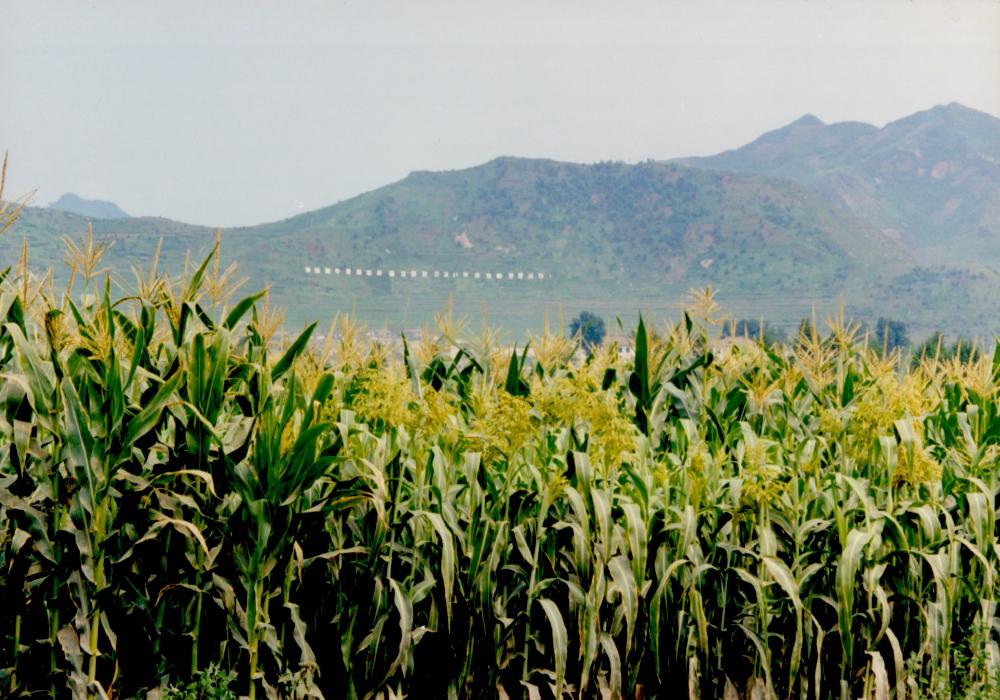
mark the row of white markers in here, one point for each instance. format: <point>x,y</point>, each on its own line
<point>424,274</point>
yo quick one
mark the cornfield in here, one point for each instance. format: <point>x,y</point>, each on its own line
<point>180,491</point>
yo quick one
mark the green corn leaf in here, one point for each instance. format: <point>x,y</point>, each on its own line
<point>194,284</point>
<point>149,416</point>
<point>404,609</point>
<point>560,641</point>
<point>79,440</point>
<point>447,559</point>
<point>846,574</point>
<point>614,661</point>
<point>237,313</point>
<point>624,580</point>
<point>41,384</point>
<point>783,576</point>
<point>294,350</point>
<point>138,338</point>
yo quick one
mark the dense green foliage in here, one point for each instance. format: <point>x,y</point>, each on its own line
<point>211,683</point>
<point>890,334</point>
<point>454,519</point>
<point>590,328</point>
<point>962,349</point>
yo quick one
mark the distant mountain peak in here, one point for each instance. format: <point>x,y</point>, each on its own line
<point>793,130</point>
<point>959,108</point>
<point>91,208</point>
<point>953,112</point>
<point>807,120</point>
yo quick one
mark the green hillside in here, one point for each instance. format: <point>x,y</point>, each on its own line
<point>133,241</point>
<point>930,180</point>
<point>611,237</point>
<point>900,221</point>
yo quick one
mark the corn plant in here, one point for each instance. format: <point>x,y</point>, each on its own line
<point>185,495</point>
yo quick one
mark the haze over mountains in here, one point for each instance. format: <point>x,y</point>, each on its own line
<point>903,221</point>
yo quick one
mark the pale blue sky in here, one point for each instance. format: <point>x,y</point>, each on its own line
<point>225,113</point>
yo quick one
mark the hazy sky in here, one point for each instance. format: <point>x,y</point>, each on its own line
<point>225,113</point>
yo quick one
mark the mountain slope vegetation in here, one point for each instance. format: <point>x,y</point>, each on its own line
<point>609,236</point>
<point>930,180</point>
<point>900,221</point>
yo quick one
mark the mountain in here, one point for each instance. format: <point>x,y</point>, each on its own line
<point>609,237</point>
<point>899,221</point>
<point>91,208</point>
<point>608,222</point>
<point>930,180</point>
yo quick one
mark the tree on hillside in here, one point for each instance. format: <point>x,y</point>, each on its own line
<point>890,334</point>
<point>807,330</point>
<point>590,327</point>
<point>964,349</point>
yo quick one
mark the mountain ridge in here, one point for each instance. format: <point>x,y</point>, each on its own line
<point>931,179</point>
<point>804,215</point>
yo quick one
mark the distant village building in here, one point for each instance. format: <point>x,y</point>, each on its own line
<point>625,343</point>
